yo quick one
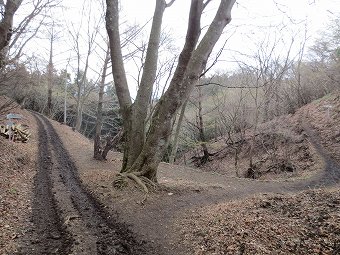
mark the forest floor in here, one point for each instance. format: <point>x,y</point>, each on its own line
<point>56,199</point>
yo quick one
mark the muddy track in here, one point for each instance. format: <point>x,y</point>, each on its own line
<point>48,235</point>
<point>67,219</point>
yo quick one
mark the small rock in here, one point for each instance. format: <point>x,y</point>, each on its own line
<point>55,236</point>
<point>35,241</point>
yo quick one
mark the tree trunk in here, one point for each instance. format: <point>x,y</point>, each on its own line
<point>79,117</point>
<point>65,98</point>
<point>178,128</point>
<point>118,70</point>
<point>143,98</point>
<point>97,152</point>
<point>191,63</point>
<point>111,142</point>
<point>253,138</point>
<point>200,125</point>
<point>50,78</point>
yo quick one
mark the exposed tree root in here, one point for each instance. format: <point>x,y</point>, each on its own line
<point>144,183</point>
<point>148,182</point>
<point>139,181</point>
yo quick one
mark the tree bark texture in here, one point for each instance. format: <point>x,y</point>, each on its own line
<point>79,117</point>
<point>118,71</point>
<point>191,63</point>
<point>143,98</point>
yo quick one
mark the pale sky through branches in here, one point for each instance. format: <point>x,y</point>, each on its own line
<point>253,21</point>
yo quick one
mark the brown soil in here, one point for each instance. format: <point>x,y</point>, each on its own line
<point>17,170</point>
<point>282,150</point>
<point>186,215</point>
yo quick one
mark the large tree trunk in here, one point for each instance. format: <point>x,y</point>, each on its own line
<point>6,25</point>
<point>118,70</point>
<point>143,98</point>
<point>191,63</point>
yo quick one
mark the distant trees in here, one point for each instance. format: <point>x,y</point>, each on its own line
<point>278,78</point>
<point>84,43</point>
<point>53,36</point>
<point>17,29</point>
<point>198,126</point>
<point>325,57</point>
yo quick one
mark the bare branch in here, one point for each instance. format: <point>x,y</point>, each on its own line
<point>170,3</point>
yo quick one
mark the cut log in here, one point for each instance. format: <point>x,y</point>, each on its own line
<point>17,132</point>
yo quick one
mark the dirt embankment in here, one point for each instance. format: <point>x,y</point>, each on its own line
<point>17,170</point>
<point>281,151</point>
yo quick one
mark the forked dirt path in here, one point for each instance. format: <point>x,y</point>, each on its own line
<point>68,219</point>
<point>209,189</point>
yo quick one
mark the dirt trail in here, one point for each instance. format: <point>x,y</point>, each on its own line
<point>66,217</point>
<point>69,220</point>
<point>206,188</point>
<point>48,235</point>
<point>329,176</point>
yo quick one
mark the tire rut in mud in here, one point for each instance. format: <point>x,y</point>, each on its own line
<point>47,235</point>
<point>112,237</point>
<point>74,220</point>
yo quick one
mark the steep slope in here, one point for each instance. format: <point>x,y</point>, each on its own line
<point>282,147</point>
<point>17,170</point>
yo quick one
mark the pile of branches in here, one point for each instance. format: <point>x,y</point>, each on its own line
<point>15,132</point>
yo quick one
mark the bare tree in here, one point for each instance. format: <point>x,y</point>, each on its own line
<point>232,116</point>
<point>16,36</point>
<point>143,150</point>
<point>81,42</point>
<point>103,146</point>
<point>6,27</point>
<point>198,127</point>
<point>97,154</point>
<point>53,36</point>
